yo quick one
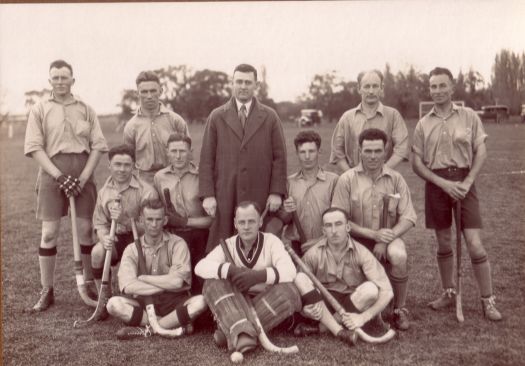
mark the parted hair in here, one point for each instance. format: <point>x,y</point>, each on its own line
<point>174,137</point>
<point>372,134</point>
<point>307,136</point>
<point>362,73</point>
<point>59,64</point>
<point>246,204</point>
<point>246,68</point>
<point>335,209</point>
<point>147,76</point>
<point>441,71</point>
<point>152,204</point>
<point>121,150</point>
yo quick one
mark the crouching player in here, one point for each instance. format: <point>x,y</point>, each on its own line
<point>350,272</point>
<point>168,279</point>
<point>261,268</point>
<point>119,199</point>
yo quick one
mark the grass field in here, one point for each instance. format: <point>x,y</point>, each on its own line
<point>435,338</point>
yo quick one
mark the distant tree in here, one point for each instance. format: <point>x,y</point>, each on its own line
<point>206,90</point>
<point>129,103</point>
<point>391,97</point>
<point>262,91</point>
<point>508,79</point>
<point>34,96</point>
<point>288,111</point>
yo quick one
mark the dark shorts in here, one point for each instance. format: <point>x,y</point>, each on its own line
<point>165,302</point>
<point>122,241</point>
<point>52,203</point>
<point>344,300</point>
<point>439,205</point>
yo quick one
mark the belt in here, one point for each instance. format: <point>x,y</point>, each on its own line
<point>451,170</point>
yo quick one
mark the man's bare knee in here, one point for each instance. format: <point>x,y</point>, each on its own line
<point>98,254</point>
<point>196,305</point>
<point>84,230</point>
<point>396,252</point>
<point>115,306</point>
<point>50,231</point>
<point>365,295</point>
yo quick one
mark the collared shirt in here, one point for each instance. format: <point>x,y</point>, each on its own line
<point>184,190</point>
<point>344,274</point>
<point>268,254</point>
<point>170,257</point>
<point>362,198</point>
<point>311,200</point>
<point>448,142</point>
<point>131,198</point>
<point>239,106</point>
<point>55,127</point>
<point>345,140</point>
<point>149,137</point>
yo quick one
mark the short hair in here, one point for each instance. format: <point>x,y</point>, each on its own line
<point>334,209</point>
<point>441,71</point>
<point>307,136</point>
<point>246,68</point>
<point>152,204</point>
<point>59,64</point>
<point>121,150</point>
<point>372,134</point>
<point>246,204</point>
<point>174,137</point>
<point>147,76</point>
<point>375,71</point>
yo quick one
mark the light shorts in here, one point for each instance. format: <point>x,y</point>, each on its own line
<point>52,203</point>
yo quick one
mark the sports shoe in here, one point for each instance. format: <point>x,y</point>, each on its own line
<point>489,308</point>
<point>47,298</point>
<point>127,333</point>
<point>401,319</point>
<point>305,330</point>
<point>348,336</point>
<point>220,338</point>
<point>447,298</point>
<point>91,290</point>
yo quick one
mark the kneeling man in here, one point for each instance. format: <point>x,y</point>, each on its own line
<point>168,279</point>
<point>350,272</point>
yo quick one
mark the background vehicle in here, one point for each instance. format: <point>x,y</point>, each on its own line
<point>309,117</point>
<point>499,113</point>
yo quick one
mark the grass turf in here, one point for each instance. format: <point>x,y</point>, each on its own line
<point>435,338</point>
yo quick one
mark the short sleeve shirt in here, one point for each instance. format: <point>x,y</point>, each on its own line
<point>346,273</point>
<point>184,190</point>
<point>345,139</point>
<point>450,141</point>
<point>131,199</point>
<point>362,198</point>
<point>170,257</point>
<point>55,127</point>
<point>149,137</point>
<point>312,199</point>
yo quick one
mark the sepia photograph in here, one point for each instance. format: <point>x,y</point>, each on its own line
<point>262,182</point>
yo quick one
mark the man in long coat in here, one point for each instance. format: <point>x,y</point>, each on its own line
<point>243,156</point>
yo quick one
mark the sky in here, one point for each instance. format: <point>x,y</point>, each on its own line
<point>109,44</point>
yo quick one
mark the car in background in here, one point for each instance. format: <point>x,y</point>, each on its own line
<point>309,117</point>
<point>498,112</point>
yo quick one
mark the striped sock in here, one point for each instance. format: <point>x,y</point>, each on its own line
<point>47,259</point>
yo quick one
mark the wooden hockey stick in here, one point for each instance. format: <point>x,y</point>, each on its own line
<point>459,306</point>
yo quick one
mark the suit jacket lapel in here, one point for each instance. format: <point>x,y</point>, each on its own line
<point>232,118</point>
<point>254,122</point>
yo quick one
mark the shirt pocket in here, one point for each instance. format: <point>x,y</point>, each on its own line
<point>82,128</point>
<point>463,136</point>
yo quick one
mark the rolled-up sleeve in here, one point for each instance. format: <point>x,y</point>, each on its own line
<point>405,208</point>
<point>338,142</point>
<point>97,139</point>
<point>478,132</point>
<point>400,136</point>
<point>342,193</point>
<point>128,269</point>
<point>418,141</point>
<point>34,138</point>
<point>100,215</point>
<point>180,262</point>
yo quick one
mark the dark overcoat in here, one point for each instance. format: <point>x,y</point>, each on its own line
<point>237,165</point>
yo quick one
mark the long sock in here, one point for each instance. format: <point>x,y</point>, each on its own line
<point>446,268</point>
<point>97,276</point>
<point>85,255</point>
<point>481,267</point>
<point>47,259</point>
<point>400,285</point>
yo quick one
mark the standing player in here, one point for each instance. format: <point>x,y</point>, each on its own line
<point>370,113</point>
<point>186,217</point>
<point>121,186</point>
<point>63,135</point>
<point>168,279</point>
<point>449,151</point>
<point>147,132</point>
<point>362,192</point>
<point>243,156</point>
<point>309,193</point>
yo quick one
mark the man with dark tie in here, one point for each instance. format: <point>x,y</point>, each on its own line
<point>243,156</point>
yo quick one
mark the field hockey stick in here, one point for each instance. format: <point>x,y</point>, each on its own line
<point>459,306</point>
<point>148,300</point>
<point>252,317</point>
<point>334,303</point>
<point>103,294</point>
<point>79,276</point>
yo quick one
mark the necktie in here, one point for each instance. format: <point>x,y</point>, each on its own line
<point>243,115</point>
